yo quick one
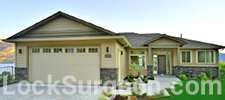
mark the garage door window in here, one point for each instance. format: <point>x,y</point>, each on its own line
<point>93,50</point>
<point>69,50</point>
<point>36,50</point>
<point>80,50</point>
<point>57,50</point>
<point>46,50</point>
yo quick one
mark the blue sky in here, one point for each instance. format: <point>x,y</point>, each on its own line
<point>202,20</point>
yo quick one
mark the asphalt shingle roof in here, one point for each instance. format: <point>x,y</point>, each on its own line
<point>138,40</point>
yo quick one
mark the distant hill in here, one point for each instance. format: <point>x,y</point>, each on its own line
<point>222,57</point>
<point>7,51</point>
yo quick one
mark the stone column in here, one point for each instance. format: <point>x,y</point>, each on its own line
<point>21,74</point>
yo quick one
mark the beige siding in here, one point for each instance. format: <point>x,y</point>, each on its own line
<point>142,71</point>
<point>21,59</point>
<point>194,58</point>
<point>63,26</point>
<point>121,61</point>
<point>164,42</point>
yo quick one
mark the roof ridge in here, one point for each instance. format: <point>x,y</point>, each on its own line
<point>55,16</point>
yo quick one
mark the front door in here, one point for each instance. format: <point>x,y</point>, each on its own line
<point>161,64</point>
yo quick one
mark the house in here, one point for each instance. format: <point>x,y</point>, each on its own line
<point>63,45</point>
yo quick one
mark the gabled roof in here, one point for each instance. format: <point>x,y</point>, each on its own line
<point>165,36</point>
<point>56,15</point>
<point>139,40</point>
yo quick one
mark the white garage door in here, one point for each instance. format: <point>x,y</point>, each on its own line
<point>81,62</point>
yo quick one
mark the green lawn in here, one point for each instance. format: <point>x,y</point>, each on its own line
<point>198,96</point>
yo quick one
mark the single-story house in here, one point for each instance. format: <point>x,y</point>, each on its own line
<point>63,45</point>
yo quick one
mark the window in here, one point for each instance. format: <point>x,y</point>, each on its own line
<point>138,57</point>
<point>186,56</point>
<point>20,51</point>
<point>57,50</point>
<point>35,50</point>
<point>46,50</point>
<point>205,56</point>
<point>93,50</point>
<point>69,50</point>
<point>80,50</point>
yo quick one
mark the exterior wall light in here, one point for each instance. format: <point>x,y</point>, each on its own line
<point>107,49</point>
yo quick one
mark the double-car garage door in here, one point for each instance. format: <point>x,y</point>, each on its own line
<point>81,62</point>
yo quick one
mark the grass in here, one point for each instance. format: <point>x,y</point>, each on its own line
<point>198,96</point>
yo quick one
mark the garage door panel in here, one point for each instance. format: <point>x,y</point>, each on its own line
<point>83,66</point>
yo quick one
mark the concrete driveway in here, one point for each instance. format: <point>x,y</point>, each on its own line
<point>45,95</point>
<point>92,92</point>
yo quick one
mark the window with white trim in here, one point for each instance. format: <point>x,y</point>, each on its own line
<point>186,56</point>
<point>57,50</point>
<point>80,50</point>
<point>46,50</point>
<point>93,50</point>
<point>69,50</point>
<point>36,50</point>
<point>205,56</point>
<point>138,57</point>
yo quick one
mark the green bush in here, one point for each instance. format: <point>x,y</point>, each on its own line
<point>144,94</point>
<point>152,77</point>
<point>7,73</point>
<point>209,72</point>
<point>146,80</point>
<point>222,74</point>
<point>183,77</point>
<point>222,70</point>
<point>205,78</point>
<point>131,76</point>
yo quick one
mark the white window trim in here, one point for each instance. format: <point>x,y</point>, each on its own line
<point>190,57</point>
<point>137,55</point>
<point>214,57</point>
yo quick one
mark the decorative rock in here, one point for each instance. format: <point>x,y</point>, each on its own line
<point>20,74</point>
<point>194,71</point>
<point>108,74</point>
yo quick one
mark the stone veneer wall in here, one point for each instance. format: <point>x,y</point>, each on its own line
<point>20,74</point>
<point>194,71</point>
<point>149,70</point>
<point>108,74</point>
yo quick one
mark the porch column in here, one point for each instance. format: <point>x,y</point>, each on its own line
<point>150,54</point>
<point>178,55</point>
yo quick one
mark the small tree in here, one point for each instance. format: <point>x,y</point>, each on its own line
<point>133,66</point>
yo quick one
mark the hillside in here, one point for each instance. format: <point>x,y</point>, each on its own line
<point>7,52</point>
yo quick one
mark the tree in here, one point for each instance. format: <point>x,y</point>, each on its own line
<point>133,66</point>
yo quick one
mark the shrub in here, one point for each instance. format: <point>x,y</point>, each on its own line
<point>152,77</point>
<point>205,78</point>
<point>128,77</point>
<point>144,94</point>
<point>146,80</point>
<point>131,76</point>
<point>222,73</point>
<point>209,72</point>
<point>7,73</point>
<point>201,75</point>
<point>183,77</point>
